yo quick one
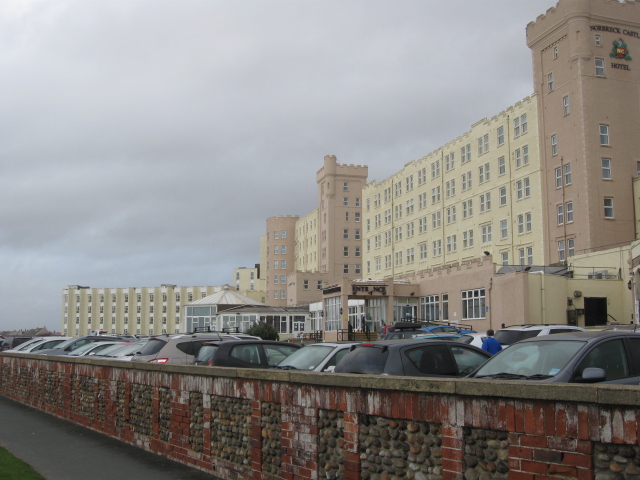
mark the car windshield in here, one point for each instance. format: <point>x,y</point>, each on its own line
<point>65,344</point>
<point>29,343</point>
<point>83,349</point>
<point>544,358</point>
<point>306,358</point>
<point>121,350</point>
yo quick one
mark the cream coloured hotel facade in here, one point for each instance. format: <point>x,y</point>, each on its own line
<point>478,193</point>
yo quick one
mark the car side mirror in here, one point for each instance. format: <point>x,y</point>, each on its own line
<point>592,375</point>
<point>330,369</point>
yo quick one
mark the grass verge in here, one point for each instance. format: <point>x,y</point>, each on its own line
<point>12,468</point>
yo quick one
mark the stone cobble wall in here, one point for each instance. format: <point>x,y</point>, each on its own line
<point>239,424</point>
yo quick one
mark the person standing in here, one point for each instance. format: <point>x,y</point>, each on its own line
<point>490,344</point>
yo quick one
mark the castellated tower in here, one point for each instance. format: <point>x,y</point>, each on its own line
<point>586,64</point>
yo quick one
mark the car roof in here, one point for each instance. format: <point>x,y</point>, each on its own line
<point>582,336</point>
<point>540,326</point>
<point>248,340</point>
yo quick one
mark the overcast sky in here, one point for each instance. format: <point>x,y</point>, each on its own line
<point>146,142</point>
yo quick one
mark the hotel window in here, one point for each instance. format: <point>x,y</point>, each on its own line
<point>436,220</point>
<point>599,67</point>
<point>345,268</point>
<point>502,168</point>
<point>410,255</point>
<point>398,187</point>
<point>500,136</point>
<point>357,252</point>
<point>399,258</point>
<point>357,215</point>
<point>305,284</point>
<point>387,262</point>
<point>516,127</point>
<point>435,169</point>
<point>437,248</point>
<point>483,144</point>
<point>486,233</point>
<point>606,168</point>
<point>465,153</point>
<point>410,230</point>
<point>523,123</point>
<point>530,255</point>
<point>550,82</point>
<point>561,256</point>
<point>409,185</point>
<point>409,206</point>
<point>276,279</point>
<point>565,105</point>
<point>521,255</point>
<point>527,220</point>
<point>283,264</point>
<point>467,209</point>
<point>450,188</point>
<point>467,239</point>
<point>484,173</point>
<point>503,196</point>
<point>554,145</point>
<point>448,162</point>
<point>473,304</point>
<point>505,258</point>
<point>319,285</point>
<point>387,216</point>
<point>357,234</point>
<point>504,232</point>
<point>345,233</point>
<point>560,214</point>
<point>604,135</point>
<point>387,238</point>
<point>345,251</point>
<point>276,264</point>
<point>378,264</point>
<point>558,177</point>
<point>358,268</point>
<point>368,203</point>
<point>346,216</point>
<point>518,158</point>
<point>527,187</point>
<point>569,211</point>
<point>421,176</point>
<point>423,251</point>
<point>555,52</point>
<point>345,202</point>
<point>398,211</point>
<point>466,181</point>
<point>525,155</point>
<point>435,194</point>
<point>520,224</point>
<point>567,174</point>
<point>485,202</point>
<point>451,244</point>
<point>422,200</point>
<point>519,189</point>
<point>571,247</point>
<point>608,207</point>
<point>276,235</point>
<point>422,225</point>
<point>398,232</point>
<point>598,40</point>
<point>451,215</point>
<point>377,240</point>
<point>345,187</point>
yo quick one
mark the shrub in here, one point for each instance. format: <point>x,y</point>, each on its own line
<point>264,331</point>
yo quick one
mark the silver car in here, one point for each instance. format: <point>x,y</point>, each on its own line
<point>180,349</point>
<point>317,357</point>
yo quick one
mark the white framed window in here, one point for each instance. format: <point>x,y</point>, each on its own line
<point>604,135</point>
<point>502,168</point>
<point>554,145</point>
<point>422,201</point>
<point>436,220</point>
<point>558,177</point>
<point>608,207</point>
<point>560,214</point>
<point>525,154</point>
<point>520,224</point>
<point>550,82</point>
<point>345,202</point>
<point>435,194</point>
<point>555,52</point>
<point>409,206</point>
<point>503,196</point>
<point>518,156</point>
<point>571,248</point>
<point>516,127</point>
<point>527,187</point>
<point>437,248</point>
<point>345,251</point>
<point>399,258</point>
<point>410,230</point>
<point>500,133</point>
<point>599,67</point>
<point>345,186</point>
<point>451,214</point>
<point>467,208</point>
<point>569,211</point>
<point>504,258</point>
<point>473,304</point>
<point>504,232</point>
<point>523,123</point>
<point>422,225</point>
<point>519,189</point>
<point>423,251</point>
<point>357,217</point>
<point>465,154</point>
<point>530,255</point>
<point>566,105</point>
<point>567,174</point>
<point>561,253</point>
<point>598,40</point>
<point>409,183</point>
<point>467,239</point>
<point>486,233</point>
<point>606,168</point>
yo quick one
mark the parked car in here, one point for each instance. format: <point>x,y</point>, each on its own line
<point>475,339</point>
<point>608,356</point>
<point>244,353</point>
<point>9,343</point>
<point>447,329</point>
<point>180,348</point>
<point>437,336</point>
<point>38,343</point>
<point>426,358</point>
<point>70,345</point>
<point>91,349</point>
<point>317,357</point>
<point>121,352</point>
<point>514,333</point>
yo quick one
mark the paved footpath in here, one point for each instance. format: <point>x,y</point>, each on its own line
<point>60,450</point>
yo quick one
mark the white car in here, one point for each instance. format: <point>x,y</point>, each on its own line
<point>475,339</point>
<point>91,349</point>
<point>39,343</point>
<point>317,357</point>
<point>514,333</point>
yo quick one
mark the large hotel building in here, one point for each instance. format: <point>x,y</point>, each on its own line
<point>533,189</point>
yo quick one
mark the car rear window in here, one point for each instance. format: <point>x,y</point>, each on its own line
<point>364,359</point>
<point>508,337</point>
<point>153,346</point>
<point>206,353</point>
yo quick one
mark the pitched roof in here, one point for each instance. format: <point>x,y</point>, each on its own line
<point>226,297</point>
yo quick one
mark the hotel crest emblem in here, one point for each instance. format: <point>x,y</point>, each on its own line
<point>620,50</point>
